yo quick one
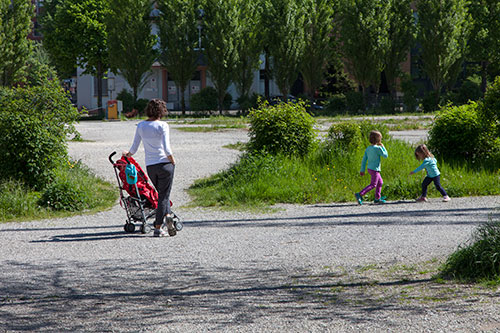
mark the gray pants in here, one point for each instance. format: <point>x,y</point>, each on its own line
<point>162,176</point>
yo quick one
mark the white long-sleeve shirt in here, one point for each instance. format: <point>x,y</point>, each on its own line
<point>156,138</point>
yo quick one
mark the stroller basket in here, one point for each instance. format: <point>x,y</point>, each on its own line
<point>139,199</point>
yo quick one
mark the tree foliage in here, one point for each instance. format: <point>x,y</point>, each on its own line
<point>15,25</point>
<point>319,43</point>
<point>75,35</point>
<point>283,21</point>
<point>364,36</point>
<point>130,42</point>
<point>443,30</point>
<point>484,41</point>
<point>248,46</point>
<point>402,33</point>
<point>221,33</point>
<point>179,50</point>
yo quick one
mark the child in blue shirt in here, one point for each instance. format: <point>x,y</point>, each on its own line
<point>422,153</point>
<point>372,156</point>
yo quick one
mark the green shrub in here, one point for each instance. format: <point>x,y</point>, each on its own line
<point>344,136</point>
<point>140,105</point>
<point>469,91</point>
<point>127,100</point>
<point>337,104</point>
<point>490,112</point>
<point>459,133</point>
<point>367,126</point>
<point>387,105</point>
<point>34,122</point>
<point>479,259</point>
<point>430,102</point>
<point>284,128</point>
<point>410,91</point>
<point>205,100</point>
<point>355,102</point>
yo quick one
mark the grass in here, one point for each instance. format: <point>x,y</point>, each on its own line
<point>332,177</point>
<point>212,128</point>
<point>20,203</point>
<point>479,259</point>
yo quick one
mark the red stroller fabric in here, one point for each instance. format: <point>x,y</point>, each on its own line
<point>146,190</point>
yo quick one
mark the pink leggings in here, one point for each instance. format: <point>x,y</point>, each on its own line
<point>375,183</point>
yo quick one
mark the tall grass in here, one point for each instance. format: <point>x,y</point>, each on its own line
<point>479,260</point>
<point>332,176</point>
<point>74,189</point>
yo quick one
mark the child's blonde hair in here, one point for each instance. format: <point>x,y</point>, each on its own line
<point>423,151</point>
<point>375,137</point>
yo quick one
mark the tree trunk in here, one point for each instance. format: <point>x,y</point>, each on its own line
<point>183,101</point>
<point>267,69</point>
<point>484,73</point>
<point>99,90</point>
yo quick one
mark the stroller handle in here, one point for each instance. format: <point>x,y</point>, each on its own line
<point>111,157</point>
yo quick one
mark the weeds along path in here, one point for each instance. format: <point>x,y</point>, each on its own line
<point>315,268</point>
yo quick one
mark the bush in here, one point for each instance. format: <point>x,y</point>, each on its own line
<point>490,112</point>
<point>246,103</point>
<point>127,100</point>
<point>355,102</point>
<point>410,91</point>
<point>285,128</point>
<point>344,136</point>
<point>34,122</point>
<point>205,100</point>
<point>337,104</point>
<point>478,260</point>
<point>469,91</point>
<point>458,132</point>
<point>430,102</point>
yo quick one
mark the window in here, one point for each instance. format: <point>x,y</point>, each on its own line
<point>104,87</point>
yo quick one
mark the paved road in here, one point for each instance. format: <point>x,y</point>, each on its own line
<point>314,268</point>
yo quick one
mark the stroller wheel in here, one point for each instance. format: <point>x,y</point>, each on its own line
<point>145,228</point>
<point>178,224</point>
<point>129,227</point>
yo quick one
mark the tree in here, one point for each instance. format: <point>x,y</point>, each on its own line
<point>130,42</point>
<point>443,30</point>
<point>221,32</point>
<point>283,21</point>
<point>319,43</point>
<point>178,35</point>
<point>15,48</point>
<point>248,47</point>
<point>484,40</point>
<point>364,37</point>
<point>402,30</point>
<point>75,35</point>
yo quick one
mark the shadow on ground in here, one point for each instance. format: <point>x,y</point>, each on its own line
<point>121,296</point>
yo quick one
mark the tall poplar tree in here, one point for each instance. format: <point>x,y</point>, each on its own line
<point>402,33</point>
<point>319,35</point>
<point>283,21</point>
<point>221,32</point>
<point>443,31</point>
<point>484,41</point>
<point>15,25</point>
<point>364,37</point>
<point>178,35</point>
<point>130,42</point>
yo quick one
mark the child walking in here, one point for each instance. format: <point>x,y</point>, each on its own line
<point>372,156</point>
<point>422,153</point>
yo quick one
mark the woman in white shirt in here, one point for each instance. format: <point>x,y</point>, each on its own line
<point>160,162</point>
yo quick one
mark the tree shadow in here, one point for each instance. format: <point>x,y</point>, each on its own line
<point>117,296</point>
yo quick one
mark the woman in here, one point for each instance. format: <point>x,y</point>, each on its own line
<point>160,162</point>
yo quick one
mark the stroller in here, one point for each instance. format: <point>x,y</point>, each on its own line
<point>137,196</point>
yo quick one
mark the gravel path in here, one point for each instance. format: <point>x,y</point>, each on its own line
<point>314,268</point>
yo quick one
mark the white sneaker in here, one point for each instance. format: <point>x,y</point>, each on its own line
<point>159,233</point>
<point>446,198</point>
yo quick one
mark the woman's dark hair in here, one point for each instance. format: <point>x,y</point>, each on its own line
<point>156,108</point>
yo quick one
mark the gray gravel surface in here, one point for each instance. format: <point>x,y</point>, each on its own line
<point>313,268</point>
